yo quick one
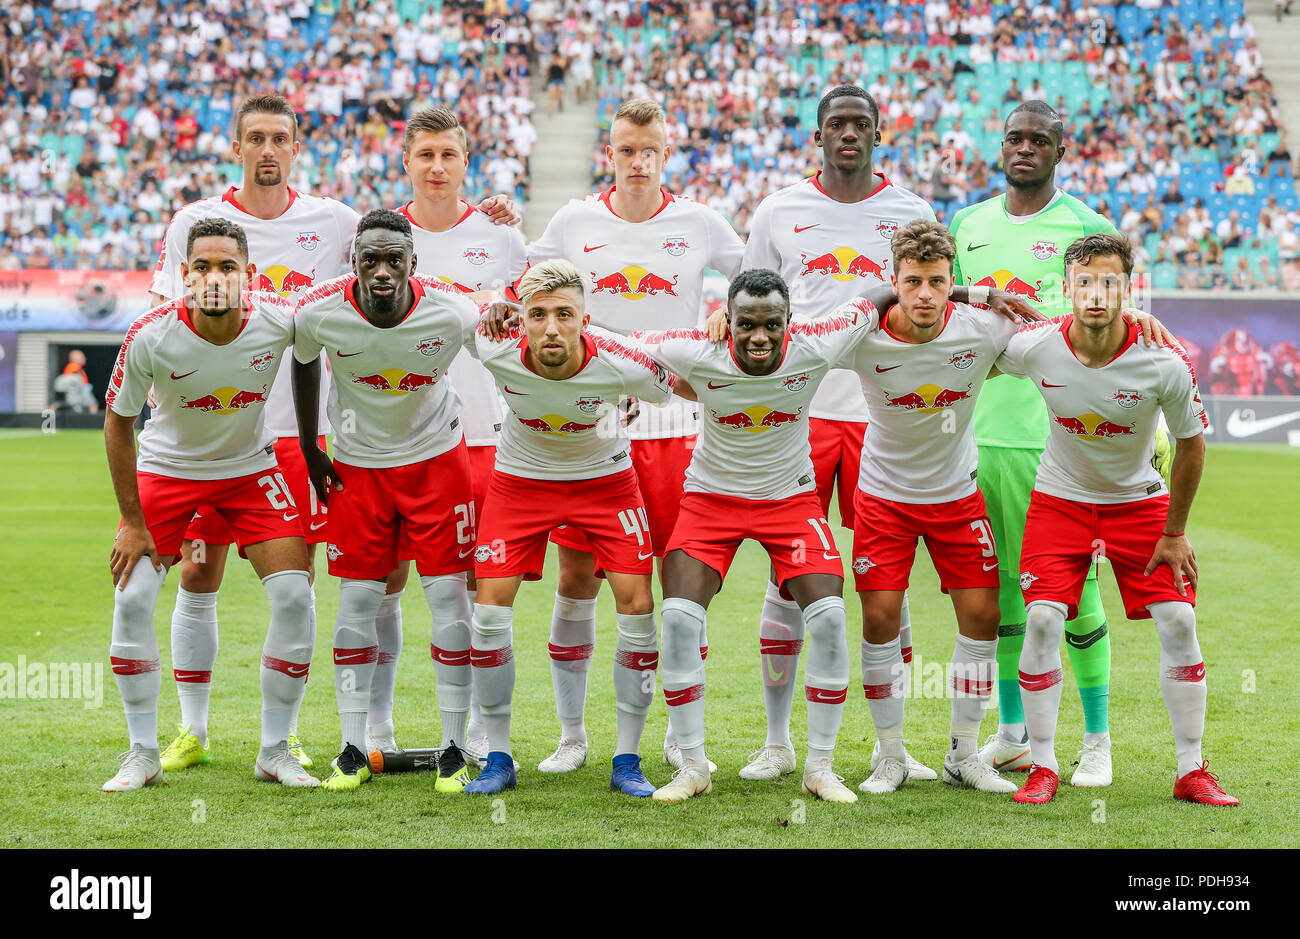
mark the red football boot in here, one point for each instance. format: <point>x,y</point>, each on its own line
<point>1202,787</point>
<point>1040,787</point>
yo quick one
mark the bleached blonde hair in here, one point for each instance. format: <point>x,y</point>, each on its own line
<point>550,276</point>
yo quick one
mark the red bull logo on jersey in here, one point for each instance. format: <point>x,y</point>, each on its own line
<point>842,264</point>
<point>887,227</point>
<point>477,256</point>
<point>262,361</point>
<point>282,280</point>
<point>756,418</point>
<point>1044,250</point>
<point>1093,427</point>
<point>588,405</point>
<point>796,383</point>
<point>928,399</point>
<point>308,240</point>
<point>429,346</point>
<point>397,381</point>
<point>224,400</point>
<point>963,359</point>
<point>633,282</point>
<point>554,424</point>
<point>676,245</point>
<point>1005,280</point>
<point>1127,399</point>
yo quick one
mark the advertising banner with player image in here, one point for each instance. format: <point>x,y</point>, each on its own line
<point>1240,346</point>
<point>47,300</point>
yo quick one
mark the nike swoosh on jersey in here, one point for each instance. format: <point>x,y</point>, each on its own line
<point>588,248</point>
<point>642,557</point>
<point>176,377</point>
<point>1238,427</point>
<point>465,554</point>
<point>1046,384</point>
<point>971,247</point>
<point>989,567</point>
<point>510,392</point>
<point>288,518</point>
<point>799,228</point>
<point>345,355</point>
<point>713,387</point>
<point>890,369</point>
<point>317,526</point>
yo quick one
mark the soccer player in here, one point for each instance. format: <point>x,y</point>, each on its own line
<point>751,476</point>
<point>646,251</point>
<point>921,375</point>
<point>1015,241</point>
<point>459,245</point>
<point>1096,487</point>
<point>563,460</point>
<point>295,240</point>
<point>211,357</point>
<point>401,477</point>
<point>828,237</point>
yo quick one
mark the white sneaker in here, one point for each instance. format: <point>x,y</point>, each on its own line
<point>277,764</point>
<point>1094,765</point>
<point>769,763</point>
<point>140,768</point>
<point>916,772</point>
<point>888,776</point>
<point>568,756</point>
<point>689,781</point>
<point>974,773</point>
<point>477,748</point>
<point>1006,756</point>
<point>824,783</point>
<point>380,737</point>
<point>673,757</point>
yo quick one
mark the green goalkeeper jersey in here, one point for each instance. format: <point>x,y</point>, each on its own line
<point>1023,256</point>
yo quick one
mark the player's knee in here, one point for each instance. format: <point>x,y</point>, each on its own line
<point>447,599</point>
<point>198,576</point>
<point>134,604</point>
<point>826,620</point>
<point>358,603</point>
<point>396,582</point>
<point>1175,624</point>
<point>683,621</point>
<point>576,582</point>
<point>1044,623</point>
<point>637,628</point>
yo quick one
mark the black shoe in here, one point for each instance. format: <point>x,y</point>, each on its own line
<point>453,772</point>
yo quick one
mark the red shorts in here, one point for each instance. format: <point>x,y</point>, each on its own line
<point>518,514</point>
<point>793,531</point>
<point>661,471</point>
<point>211,528</point>
<point>956,533</point>
<point>255,507</point>
<point>423,511</point>
<point>1064,538</point>
<point>481,461</point>
<point>836,454</point>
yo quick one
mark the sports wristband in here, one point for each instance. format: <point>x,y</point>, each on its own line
<point>977,295</point>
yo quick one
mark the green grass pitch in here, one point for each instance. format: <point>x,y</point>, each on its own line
<point>58,516</point>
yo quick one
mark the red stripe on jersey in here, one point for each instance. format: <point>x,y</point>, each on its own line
<point>570,653</point>
<point>490,658</point>
<point>683,695</point>
<point>366,656</point>
<point>1178,350</point>
<point>133,666</point>
<point>245,302</point>
<point>1041,324</point>
<point>190,677</point>
<point>605,198</point>
<point>269,297</point>
<point>327,289</point>
<point>606,344</point>
<point>636,661</point>
<point>907,654</point>
<point>119,369</point>
<point>1186,672</point>
<point>654,338</point>
<point>417,294</point>
<point>878,692</point>
<point>292,669</point>
<point>825,695</point>
<point>229,196</point>
<point>780,646</point>
<point>884,181</point>
<point>449,656</point>
<point>972,686</point>
<point>1130,339</point>
<point>433,283</point>
<point>1040,682</point>
<point>386,658</point>
<point>836,323</point>
<point>406,211</point>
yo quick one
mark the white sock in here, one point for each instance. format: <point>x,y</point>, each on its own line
<point>905,643</point>
<point>450,609</point>
<point>826,678</point>
<point>388,637</point>
<point>780,640</point>
<point>1182,679</point>
<point>573,640</point>
<point>635,660</point>
<point>1040,678</point>
<point>475,727</point>
<point>286,654</point>
<point>683,674</point>
<point>974,669</point>
<point>133,652</point>
<point>670,738</point>
<point>355,652</point>
<point>311,638</point>
<point>493,660</point>
<point>882,683</point>
<point>194,653</point>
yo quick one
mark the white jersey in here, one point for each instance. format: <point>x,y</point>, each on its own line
<point>754,434</point>
<point>309,242</point>
<point>209,418</point>
<point>388,403</point>
<point>1101,436</point>
<point>474,254</point>
<point>919,447</point>
<point>571,428</point>
<point>645,275</point>
<point>827,252</point>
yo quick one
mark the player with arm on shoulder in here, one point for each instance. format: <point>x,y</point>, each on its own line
<point>647,251</point>
<point>400,478</point>
<point>563,460</point>
<point>1095,486</point>
<point>210,356</point>
<point>751,476</point>
<point>461,246</point>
